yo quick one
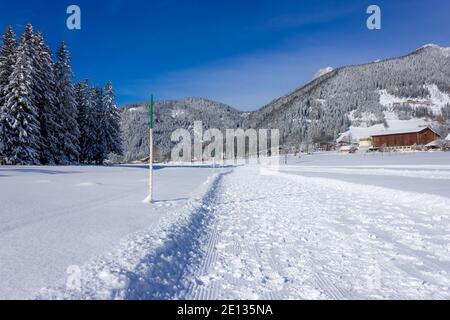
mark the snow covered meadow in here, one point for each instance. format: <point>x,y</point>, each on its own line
<point>52,218</point>
<point>325,226</point>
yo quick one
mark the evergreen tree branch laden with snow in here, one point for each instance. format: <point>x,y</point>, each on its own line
<point>46,102</point>
<point>19,112</point>
<point>44,118</point>
<point>113,137</point>
<point>85,121</point>
<point>69,134</point>
<point>7,61</point>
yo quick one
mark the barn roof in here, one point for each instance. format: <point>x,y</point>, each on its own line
<point>405,131</point>
<point>435,143</point>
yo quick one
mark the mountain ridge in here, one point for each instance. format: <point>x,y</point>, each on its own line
<point>323,108</point>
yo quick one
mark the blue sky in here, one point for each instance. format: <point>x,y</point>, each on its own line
<point>244,53</point>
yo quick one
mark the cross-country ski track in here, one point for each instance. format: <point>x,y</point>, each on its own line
<point>262,234</point>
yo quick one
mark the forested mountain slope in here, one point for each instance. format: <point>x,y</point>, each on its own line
<point>413,89</point>
<point>413,86</point>
<point>171,115</point>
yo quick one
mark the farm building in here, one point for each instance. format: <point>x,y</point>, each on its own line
<point>365,143</point>
<point>404,139</point>
<point>348,149</point>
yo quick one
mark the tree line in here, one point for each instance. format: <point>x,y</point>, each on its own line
<point>46,119</point>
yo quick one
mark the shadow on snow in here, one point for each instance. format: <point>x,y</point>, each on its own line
<point>36,170</point>
<point>160,274</point>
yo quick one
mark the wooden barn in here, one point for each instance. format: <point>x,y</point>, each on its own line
<point>404,139</point>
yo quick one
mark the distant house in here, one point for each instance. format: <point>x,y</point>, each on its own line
<point>146,160</point>
<point>327,147</point>
<point>344,139</point>
<point>348,149</point>
<point>404,139</point>
<point>365,143</point>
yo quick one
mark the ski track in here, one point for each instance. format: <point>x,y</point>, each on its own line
<point>435,174</point>
<point>256,235</point>
<point>148,265</point>
<point>292,237</point>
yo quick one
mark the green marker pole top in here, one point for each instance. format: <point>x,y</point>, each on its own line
<point>151,112</point>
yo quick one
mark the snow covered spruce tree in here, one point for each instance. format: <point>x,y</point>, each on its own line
<point>86,121</point>
<point>19,112</point>
<point>69,134</point>
<point>7,61</point>
<point>99,122</point>
<point>99,148</point>
<point>113,140</point>
<point>46,102</point>
<point>44,119</point>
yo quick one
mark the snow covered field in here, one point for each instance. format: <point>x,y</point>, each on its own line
<point>325,226</point>
<point>54,218</point>
<point>311,234</point>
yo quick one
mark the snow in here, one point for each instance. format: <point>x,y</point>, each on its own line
<point>394,125</point>
<point>435,102</point>
<point>325,226</point>
<point>134,109</point>
<point>306,237</point>
<point>177,113</point>
<point>322,72</point>
<point>448,137</point>
<point>391,132</point>
<point>347,148</point>
<point>429,45</point>
<point>445,51</point>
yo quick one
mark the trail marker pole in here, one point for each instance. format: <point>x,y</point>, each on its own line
<point>150,180</point>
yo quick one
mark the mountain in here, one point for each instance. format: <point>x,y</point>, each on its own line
<point>409,91</point>
<point>415,86</point>
<point>171,115</point>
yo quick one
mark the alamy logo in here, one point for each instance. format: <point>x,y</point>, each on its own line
<point>236,145</point>
<point>74,278</point>
<point>74,20</point>
<point>374,21</point>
